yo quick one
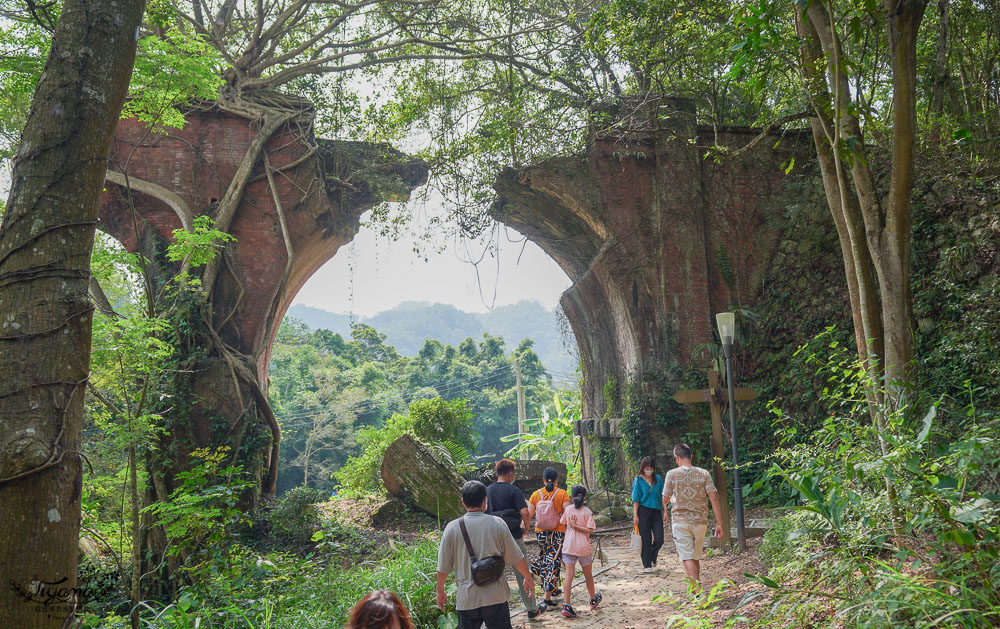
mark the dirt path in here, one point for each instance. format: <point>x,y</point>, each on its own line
<point>628,595</point>
<point>629,592</point>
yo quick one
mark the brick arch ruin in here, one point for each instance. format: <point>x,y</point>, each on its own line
<point>291,219</point>
<point>179,174</point>
<point>654,238</point>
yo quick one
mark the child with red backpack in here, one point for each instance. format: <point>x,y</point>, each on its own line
<point>546,506</point>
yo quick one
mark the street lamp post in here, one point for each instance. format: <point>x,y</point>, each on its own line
<point>727,330</point>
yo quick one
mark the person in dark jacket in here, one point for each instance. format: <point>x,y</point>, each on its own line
<point>506,501</point>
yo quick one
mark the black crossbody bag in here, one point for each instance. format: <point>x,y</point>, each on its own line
<point>510,517</point>
<point>486,570</point>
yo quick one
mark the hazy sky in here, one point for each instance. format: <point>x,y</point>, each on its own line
<point>375,273</point>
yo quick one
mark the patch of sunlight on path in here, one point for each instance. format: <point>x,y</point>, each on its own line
<point>628,594</point>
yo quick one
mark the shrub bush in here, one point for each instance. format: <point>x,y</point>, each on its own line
<point>927,552</point>
<point>361,475</point>
<point>439,421</point>
<point>288,522</point>
<point>100,586</point>
<point>432,421</point>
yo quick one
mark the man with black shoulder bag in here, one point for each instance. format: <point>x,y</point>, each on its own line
<point>476,547</point>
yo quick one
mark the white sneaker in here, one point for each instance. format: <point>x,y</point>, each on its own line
<point>648,570</point>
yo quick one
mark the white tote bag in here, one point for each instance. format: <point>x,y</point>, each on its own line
<point>636,542</point>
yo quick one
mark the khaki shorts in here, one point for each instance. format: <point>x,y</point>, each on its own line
<point>689,539</point>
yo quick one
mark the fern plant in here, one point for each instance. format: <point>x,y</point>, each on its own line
<point>467,464</point>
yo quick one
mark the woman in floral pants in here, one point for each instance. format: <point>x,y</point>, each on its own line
<point>546,506</point>
<point>547,564</point>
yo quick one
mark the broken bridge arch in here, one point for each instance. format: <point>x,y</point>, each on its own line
<point>654,238</point>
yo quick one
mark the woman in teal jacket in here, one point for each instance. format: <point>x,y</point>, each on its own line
<point>647,511</point>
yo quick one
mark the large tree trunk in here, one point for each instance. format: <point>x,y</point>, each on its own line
<point>857,262</point>
<point>843,199</point>
<point>896,234</point>
<point>887,228</point>
<point>941,55</point>
<point>874,235</point>
<point>45,312</point>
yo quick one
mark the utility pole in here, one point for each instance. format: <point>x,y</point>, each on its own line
<point>521,409</point>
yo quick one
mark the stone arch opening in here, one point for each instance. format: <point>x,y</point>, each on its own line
<point>457,371</point>
<point>290,200</point>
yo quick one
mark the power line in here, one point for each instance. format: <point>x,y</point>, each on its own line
<point>443,388</point>
<point>447,388</point>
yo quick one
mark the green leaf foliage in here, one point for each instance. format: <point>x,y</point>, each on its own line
<point>550,435</point>
<point>339,398</point>
<point>927,553</point>
<point>199,245</point>
<point>171,69</point>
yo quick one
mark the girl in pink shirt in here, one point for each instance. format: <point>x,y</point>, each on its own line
<point>579,521</point>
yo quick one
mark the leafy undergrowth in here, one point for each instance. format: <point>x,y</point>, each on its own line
<point>281,590</point>
<point>956,298</point>
<point>898,527</point>
<point>406,525</point>
<point>290,568</point>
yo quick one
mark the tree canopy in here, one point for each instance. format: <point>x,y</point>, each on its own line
<point>325,389</point>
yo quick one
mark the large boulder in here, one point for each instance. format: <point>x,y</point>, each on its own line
<point>412,473</point>
<point>620,513</point>
<point>599,502</point>
<point>602,521</point>
<point>89,549</point>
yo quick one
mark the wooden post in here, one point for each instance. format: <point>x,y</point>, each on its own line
<point>718,453</point>
<point>715,396</point>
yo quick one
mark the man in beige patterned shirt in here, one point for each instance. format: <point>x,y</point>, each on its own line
<point>690,488</point>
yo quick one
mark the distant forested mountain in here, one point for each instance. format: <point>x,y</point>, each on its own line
<point>318,319</point>
<point>411,323</point>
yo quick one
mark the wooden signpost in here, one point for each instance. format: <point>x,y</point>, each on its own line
<point>715,397</point>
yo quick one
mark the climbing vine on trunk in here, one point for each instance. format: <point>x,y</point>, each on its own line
<point>45,313</point>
